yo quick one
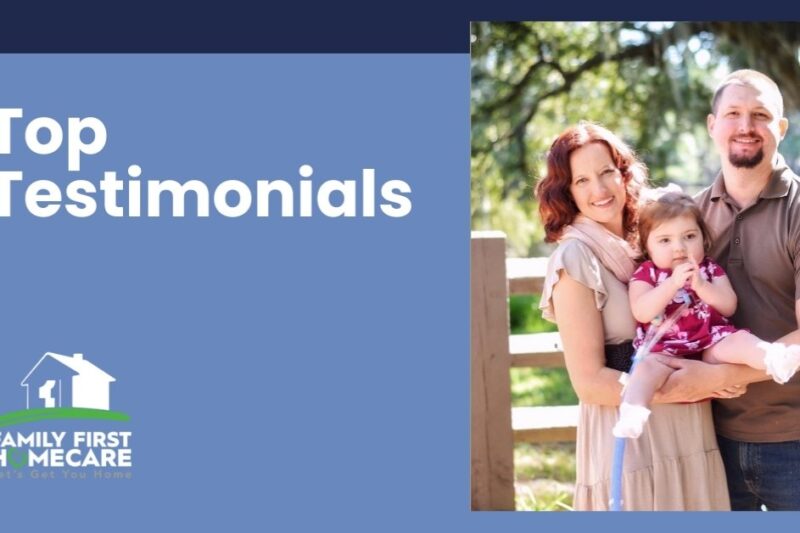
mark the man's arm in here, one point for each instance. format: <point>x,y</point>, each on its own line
<point>794,336</point>
<point>695,380</point>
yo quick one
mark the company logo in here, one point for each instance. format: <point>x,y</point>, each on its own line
<point>65,387</point>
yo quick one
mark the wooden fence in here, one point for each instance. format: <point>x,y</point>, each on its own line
<point>495,426</point>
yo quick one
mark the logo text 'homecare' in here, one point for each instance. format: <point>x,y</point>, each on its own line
<point>76,449</point>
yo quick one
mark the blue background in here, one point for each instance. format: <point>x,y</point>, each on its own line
<point>273,367</point>
<point>281,373</point>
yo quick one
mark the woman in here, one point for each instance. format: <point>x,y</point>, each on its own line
<point>588,203</point>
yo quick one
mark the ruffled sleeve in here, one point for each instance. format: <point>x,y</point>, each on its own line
<point>577,260</point>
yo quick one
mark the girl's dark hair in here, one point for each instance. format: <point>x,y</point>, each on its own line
<point>666,207</point>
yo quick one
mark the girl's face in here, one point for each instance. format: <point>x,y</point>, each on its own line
<point>675,241</point>
<point>597,186</point>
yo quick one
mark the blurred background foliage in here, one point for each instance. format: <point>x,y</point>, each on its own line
<point>651,83</point>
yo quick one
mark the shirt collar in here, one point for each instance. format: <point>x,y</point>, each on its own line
<point>777,186</point>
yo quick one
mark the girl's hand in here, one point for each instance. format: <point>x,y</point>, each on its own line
<point>682,273</point>
<point>697,280</point>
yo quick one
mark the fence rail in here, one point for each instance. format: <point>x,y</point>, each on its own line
<point>495,426</point>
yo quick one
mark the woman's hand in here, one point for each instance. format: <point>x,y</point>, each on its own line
<point>692,380</point>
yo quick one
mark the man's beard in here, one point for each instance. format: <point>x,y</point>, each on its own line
<point>742,161</point>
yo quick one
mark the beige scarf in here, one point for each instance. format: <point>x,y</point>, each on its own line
<point>615,253</point>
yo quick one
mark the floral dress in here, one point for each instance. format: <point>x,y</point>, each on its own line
<point>700,327</point>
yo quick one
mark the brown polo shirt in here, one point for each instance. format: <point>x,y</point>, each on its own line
<point>759,248</point>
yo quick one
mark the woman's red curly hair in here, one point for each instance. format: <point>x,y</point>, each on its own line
<point>557,207</point>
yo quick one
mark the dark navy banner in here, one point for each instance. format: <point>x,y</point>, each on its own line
<point>414,26</point>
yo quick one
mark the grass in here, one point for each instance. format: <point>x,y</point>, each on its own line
<point>537,497</point>
<point>555,461</point>
<point>525,316</point>
<point>544,474</point>
<point>541,386</point>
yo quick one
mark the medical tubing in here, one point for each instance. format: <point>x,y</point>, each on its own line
<point>653,335</point>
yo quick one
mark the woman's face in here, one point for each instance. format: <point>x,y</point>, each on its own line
<point>597,186</point>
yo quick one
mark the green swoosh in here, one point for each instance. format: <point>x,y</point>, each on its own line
<point>24,416</point>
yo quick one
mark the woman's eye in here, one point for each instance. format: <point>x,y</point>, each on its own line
<point>691,236</point>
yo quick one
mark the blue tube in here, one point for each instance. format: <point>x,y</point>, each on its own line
<point>619,455</point>
<point>616,475</point>
<point>654,333</point>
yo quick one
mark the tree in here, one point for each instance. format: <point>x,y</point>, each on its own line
<point>649,82</point>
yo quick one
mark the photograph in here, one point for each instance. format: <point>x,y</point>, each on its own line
<point>635,266</point>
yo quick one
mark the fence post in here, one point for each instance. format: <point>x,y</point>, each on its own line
<point>492,440</point>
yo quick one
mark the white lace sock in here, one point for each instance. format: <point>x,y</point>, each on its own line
<point>631,421</point>
<point>781,361</point>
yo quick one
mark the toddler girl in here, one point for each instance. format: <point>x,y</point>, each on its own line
<point>672,231</point>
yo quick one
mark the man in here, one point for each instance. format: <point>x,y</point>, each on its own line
<point>753,210</point>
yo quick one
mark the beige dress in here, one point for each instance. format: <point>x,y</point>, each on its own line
<point>675,464</point>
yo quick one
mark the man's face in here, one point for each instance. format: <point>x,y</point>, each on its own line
<point>747,128</point>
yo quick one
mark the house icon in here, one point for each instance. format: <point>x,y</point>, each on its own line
<point>67,381</point>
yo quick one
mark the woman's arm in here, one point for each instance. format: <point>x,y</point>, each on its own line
<point>581,327</point>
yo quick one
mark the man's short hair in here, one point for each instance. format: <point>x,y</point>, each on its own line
<point>751,78</point>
